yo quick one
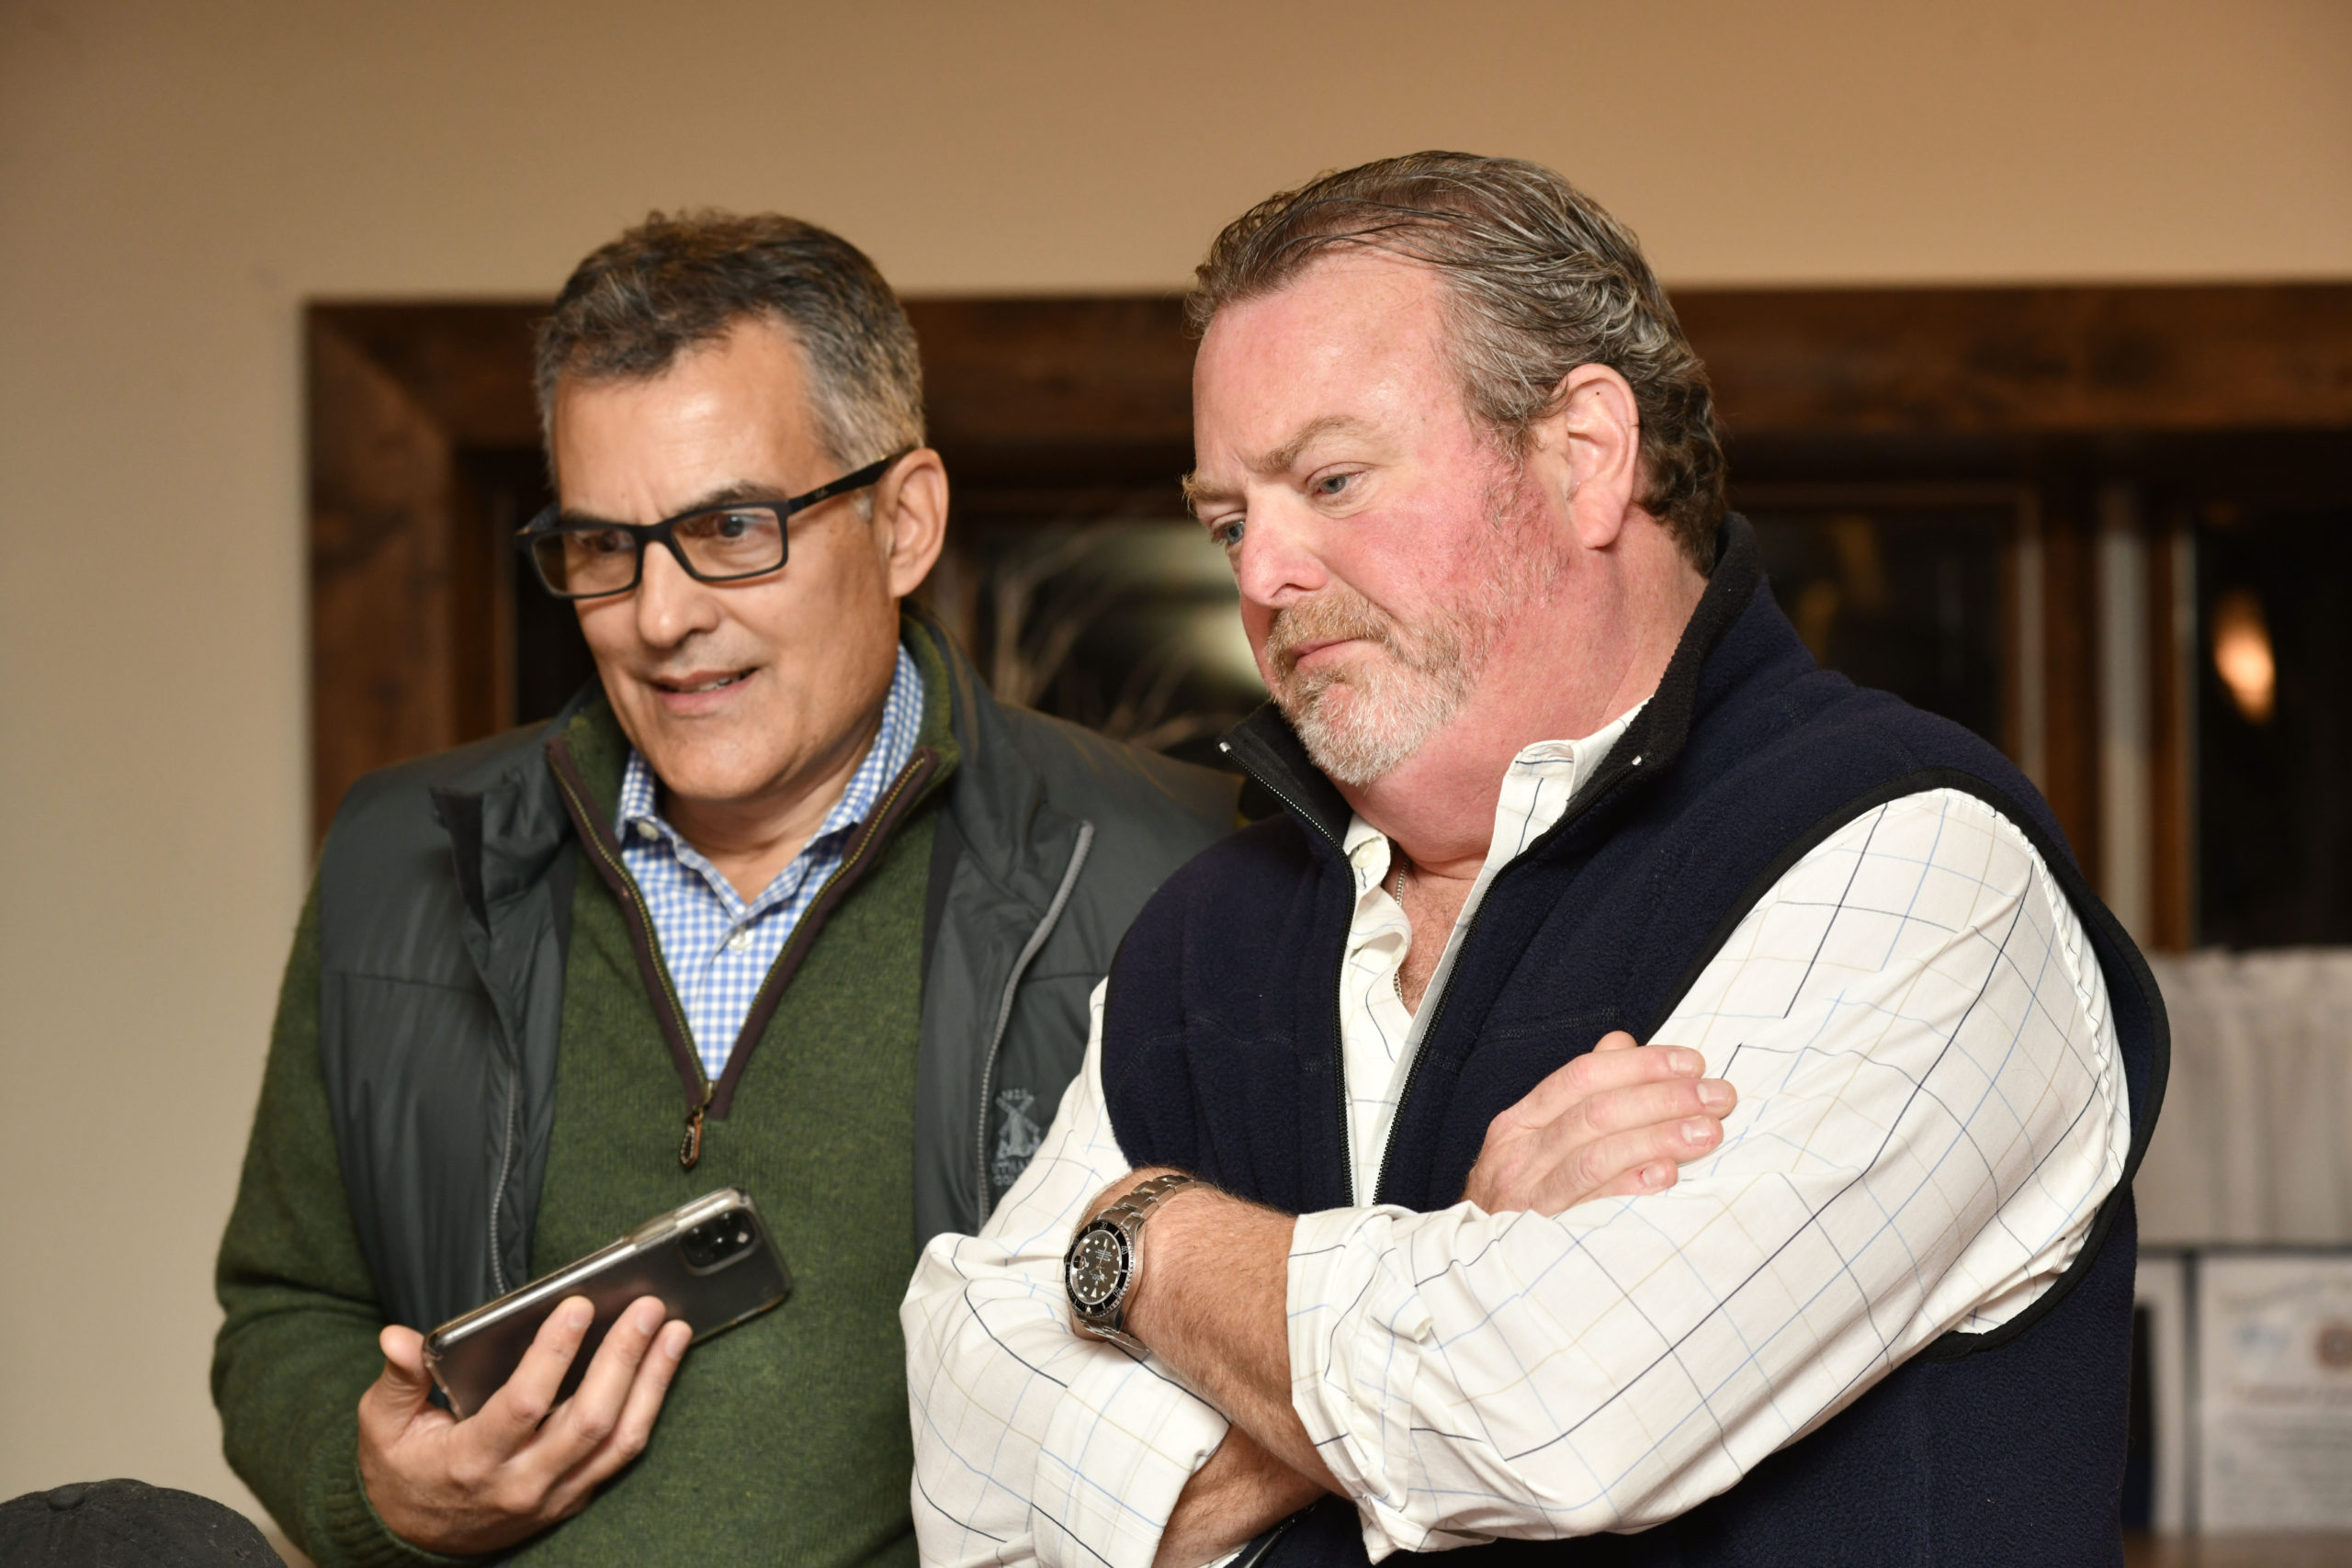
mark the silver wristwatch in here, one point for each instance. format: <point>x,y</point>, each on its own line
<point>1105,1260</point>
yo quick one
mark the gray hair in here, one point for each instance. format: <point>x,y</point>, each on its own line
<point>1539,280</point>
<point>676,282</point>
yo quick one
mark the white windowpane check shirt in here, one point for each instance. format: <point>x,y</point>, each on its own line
<point>1931,1108</point>
<point>718,946</point>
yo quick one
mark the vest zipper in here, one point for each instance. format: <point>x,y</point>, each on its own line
<point>1004,1007</point>
<point>1413,1068</point>
<point>690,1146</point>
<point>505,1168</point>
<point>1339,1014</point>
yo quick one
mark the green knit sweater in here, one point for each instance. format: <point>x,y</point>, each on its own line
<point>784,1439</point>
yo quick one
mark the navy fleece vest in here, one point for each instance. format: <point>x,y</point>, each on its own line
<point>1221,1056</point>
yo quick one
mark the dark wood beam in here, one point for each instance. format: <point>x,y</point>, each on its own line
<point>383,629</point>
<point>2025,361</point>
<point>1114,372</point>
<point>466,365</point>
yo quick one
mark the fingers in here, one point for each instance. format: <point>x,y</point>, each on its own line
<point>1650,1104</point>
<point>512,1416</point>
<point>1599,1070</point>
<point>520,1458</point>
<point>634,1427</point>
<point>593,1412</point>
<point>1628,1164</point>
<point>1630,1141</point>
<point>1609,1124</point>
<point>404,1371</point>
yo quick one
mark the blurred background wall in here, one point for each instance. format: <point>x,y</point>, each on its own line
<point>177,180</point>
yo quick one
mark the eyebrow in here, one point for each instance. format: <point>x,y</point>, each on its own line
<point>733,494</point>
<point>1282,458</point>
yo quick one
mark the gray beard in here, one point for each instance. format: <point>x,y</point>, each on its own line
<point>1360,723</point>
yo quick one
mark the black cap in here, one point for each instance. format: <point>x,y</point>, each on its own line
<point>127,1524</point>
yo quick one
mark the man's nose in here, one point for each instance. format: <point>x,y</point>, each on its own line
<point>1278,562</point>
<point>671,606</point>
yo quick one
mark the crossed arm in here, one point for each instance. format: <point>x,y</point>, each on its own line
<point>1931,1110</point>
<point>1615,1121</point>
<point>1212,1303</point>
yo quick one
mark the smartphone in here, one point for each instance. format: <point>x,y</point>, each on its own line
<point>710,1261</point>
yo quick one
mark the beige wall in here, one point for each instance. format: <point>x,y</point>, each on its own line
<point>176,179</point>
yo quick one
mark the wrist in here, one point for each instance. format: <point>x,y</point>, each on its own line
<point>1103,1269</point>
<point>1169,1256</point>
<point>349,1526</point>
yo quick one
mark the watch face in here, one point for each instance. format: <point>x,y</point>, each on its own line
<point>1096,1267</point>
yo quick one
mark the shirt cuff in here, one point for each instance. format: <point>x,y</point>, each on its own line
<point>1358,1327</point>
<point>1124,1439</point>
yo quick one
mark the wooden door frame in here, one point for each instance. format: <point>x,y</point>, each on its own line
<point>1080,407</point>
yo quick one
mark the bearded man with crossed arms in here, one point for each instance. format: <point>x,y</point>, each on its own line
<point>1369,1227</point>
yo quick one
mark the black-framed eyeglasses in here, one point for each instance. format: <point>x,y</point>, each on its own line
<point>715,544</point>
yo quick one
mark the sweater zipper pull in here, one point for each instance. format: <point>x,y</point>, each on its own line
<point>690,1146</point>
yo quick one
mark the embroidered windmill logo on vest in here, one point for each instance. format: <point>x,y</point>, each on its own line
<point>1017,1141</point>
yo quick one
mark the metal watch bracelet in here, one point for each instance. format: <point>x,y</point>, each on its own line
<point>1105,1261</point>
<point>1146,1196</point>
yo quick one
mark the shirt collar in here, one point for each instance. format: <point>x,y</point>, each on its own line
<point>1566,764</point>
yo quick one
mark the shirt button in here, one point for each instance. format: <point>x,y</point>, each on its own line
<point>646,829</point>
<point>739,940</point>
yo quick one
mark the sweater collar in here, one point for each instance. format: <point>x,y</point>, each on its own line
<point>1266,747</point>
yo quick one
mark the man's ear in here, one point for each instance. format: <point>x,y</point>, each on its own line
<point>911,518</point>
<point>1594,433</point>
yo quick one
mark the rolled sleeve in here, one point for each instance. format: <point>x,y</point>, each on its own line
<point>1122,1441</point>
<point>1033,1443</point>
<point>1931,1112</point>
<point>1357,1327</point>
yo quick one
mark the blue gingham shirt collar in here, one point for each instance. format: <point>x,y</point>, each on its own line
<point>718,947</point>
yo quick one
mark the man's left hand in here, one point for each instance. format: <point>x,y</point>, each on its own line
<point>1615,1121</point>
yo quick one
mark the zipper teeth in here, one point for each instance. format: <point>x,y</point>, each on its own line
<point>669,989</point>
<point>1287,799</point>
<point>1413,1068</point>
<point>873,826</point>
<point>505,1168</point>
<point>1004,1010</point>
<point>1413,1071</point>
<point>1282,1529</point>
<point>1338,1013</point>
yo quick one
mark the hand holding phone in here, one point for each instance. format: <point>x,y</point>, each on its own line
<point>526,1458</point>
<point>521,1463</point>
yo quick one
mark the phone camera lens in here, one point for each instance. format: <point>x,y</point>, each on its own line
<point>715,1242</point>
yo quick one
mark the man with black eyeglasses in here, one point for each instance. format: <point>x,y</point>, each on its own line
<point>784,901</point>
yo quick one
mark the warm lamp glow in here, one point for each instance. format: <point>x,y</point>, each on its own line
<point>2242,654</point>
